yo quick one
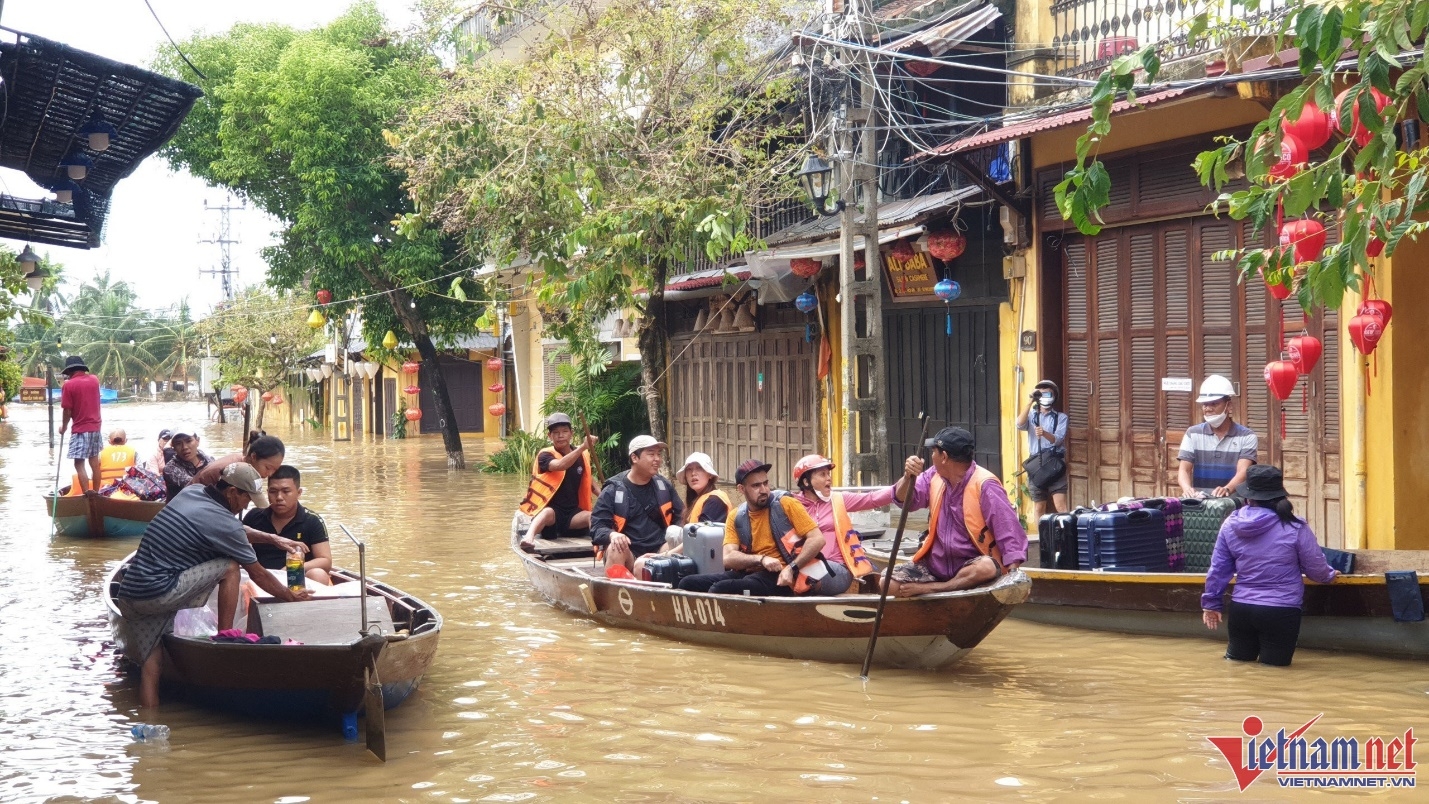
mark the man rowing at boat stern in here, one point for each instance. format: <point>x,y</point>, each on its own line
<point>194,544</point>
<point>973,532</point>
<point>771,545</point>
<point>559,498</point>
<point>634,510</point>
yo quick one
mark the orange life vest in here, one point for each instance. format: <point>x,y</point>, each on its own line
<point>788,542</point>
<point>699,507</point>
<point>973,519</point>
<point>664,496</point>
<point>850,544</point>
<point>113,460</point>
<point>544,484</point>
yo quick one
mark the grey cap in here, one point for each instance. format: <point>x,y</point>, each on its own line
<point>557,419</point>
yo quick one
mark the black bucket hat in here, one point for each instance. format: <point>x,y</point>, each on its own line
<point>1262,483</point>
<point>73,363</point>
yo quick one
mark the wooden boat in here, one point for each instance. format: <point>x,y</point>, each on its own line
<point>93,516</point>
<point>319,680</point>
<point>1352,614</point>
<point>922,632</point>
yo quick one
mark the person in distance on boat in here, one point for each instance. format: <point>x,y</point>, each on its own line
<point>562,489</point>
<point>814,477</point>
<point>633,511</point>
<point>163,453</point>
<point>973,531</point>
<point>79,403</point>
<point>118,455</point>
<point>704,502</point>
<point>1267,548</point>
<point>188,461</point>
<point>1215,454</point>
<point>287,517</point>
<point>194,544</point>
<point>757,561</point>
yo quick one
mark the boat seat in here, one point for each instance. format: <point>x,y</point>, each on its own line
<point>566,547</point>
<point>326,621</point>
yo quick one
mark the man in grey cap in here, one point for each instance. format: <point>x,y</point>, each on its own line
<point>562,489</point>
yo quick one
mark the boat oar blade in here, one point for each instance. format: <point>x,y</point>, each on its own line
<point>376,716</point>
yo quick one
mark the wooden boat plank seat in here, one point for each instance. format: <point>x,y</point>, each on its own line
<point>563,547</point>
<point>332,621</point>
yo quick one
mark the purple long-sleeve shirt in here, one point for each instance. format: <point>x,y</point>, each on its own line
<point>823,513</point>
<point>1266,556</point>
<point>954,547</point>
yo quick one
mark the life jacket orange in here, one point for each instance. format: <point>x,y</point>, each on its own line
<point>850,544</point>
<point>973,518</point>
<point>664,497</point>
<point>698,508</point>
<point>114,460</point>
<point>543,485</point>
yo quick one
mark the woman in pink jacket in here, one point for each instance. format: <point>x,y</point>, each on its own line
<point>814,479</point>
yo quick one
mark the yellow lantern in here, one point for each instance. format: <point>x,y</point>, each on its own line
<point>389,341</point>
<point>316,320</point>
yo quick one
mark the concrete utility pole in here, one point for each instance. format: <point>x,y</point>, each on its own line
<point>225,270</point>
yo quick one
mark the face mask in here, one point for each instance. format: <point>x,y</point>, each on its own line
<point>1216,420</point>
<point>1047,400</point>
<point>824,497</point>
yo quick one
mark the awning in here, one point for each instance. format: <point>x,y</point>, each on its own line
<point>891,213</point>
<point>945,36</point>
<point>709,282</point>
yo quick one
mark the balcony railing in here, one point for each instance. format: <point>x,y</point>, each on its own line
<point>483,25</point>
<point>1091,33</point>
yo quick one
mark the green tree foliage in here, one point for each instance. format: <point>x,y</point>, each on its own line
<point>632,137</point>
<point>1372,186</point>
<point>259,339</point>
<point>294,121</point>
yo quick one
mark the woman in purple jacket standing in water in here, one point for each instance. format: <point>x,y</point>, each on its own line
<point>1266,547</point>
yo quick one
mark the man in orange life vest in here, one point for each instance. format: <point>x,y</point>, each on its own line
<point>634,510</point>
<point>562,485</point>
<point>973,532</point>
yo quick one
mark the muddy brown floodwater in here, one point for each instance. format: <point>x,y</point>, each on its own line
<point>527,703</point>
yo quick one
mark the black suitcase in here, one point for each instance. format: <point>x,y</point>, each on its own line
<point>1057,539</point>
<point>669,569</point>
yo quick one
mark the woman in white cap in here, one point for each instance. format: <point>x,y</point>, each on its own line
<point>703,499</point>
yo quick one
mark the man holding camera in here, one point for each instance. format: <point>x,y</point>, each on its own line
<point>1046,432</point>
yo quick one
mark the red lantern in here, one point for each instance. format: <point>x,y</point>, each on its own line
<point>1374,247</point>
<point>1355,129</point>
<point>1378,308</point>
<point>1365,332</point>
<point>267,396</point>
<point>493,364</point>
<point>1279,291</point>
<point>324,296</point>
<point>947,245</point>
<point>1292,157</point>
<point>1313,127</point>
<point>1304,351</point>
<point>413,414</point>
<point>902,251</point>
<point>411,390</point>
<point>498,410</point>
<point>496,388</point>
<point>240,396</point>
<point>805,267</point>
<point>1281,376</point>
<point>410,367</point>
<point>1306,236</point>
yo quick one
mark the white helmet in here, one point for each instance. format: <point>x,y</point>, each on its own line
<point>1215,387</point>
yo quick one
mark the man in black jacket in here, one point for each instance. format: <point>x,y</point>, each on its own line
<point>634,509</point>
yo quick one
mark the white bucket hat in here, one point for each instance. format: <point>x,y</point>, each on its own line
<point>696,459</point>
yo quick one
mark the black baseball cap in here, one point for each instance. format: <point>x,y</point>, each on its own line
<point>955,441</point>
<point>748,468</point>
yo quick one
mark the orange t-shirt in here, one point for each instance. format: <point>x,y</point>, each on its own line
<point>761,540</point>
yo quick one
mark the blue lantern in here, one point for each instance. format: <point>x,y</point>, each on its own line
<point>806,302</point>
<point>947,290</point>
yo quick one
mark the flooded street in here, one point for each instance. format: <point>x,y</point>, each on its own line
<point>527,703</point>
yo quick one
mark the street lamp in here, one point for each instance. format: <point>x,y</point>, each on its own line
<point>816,177</point>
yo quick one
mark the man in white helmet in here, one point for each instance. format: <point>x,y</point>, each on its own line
<point>1216,453</point>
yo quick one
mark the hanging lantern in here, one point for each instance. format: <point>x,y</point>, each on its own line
<point>413,414</point>
<point>1378,308</point>
<point>497,410</point>
<point>1281,376</point>
<point>277,399</point>
<point>902,250</point>
<point>1304,351</point>
<point>1365,332</point>
<point>240,396</point>
<point>947,290</point>
<point>410,367</point>
<point>806,303</point>
<point>805,267</point>
<point>493,364</point>
<point>496,387</point>
<point>411,390</point>
<point>1292,157</point>
<point>267,396</point>
<point>316,320</point>
<point>389,341</point>
<point>97,133</point>
<point>1306,236</point>
<point>1280,291</point>
<point>1312,129</point>
<point>859,263</point>
<point>947,245</point>
<point>324,296</point>
<point>1374,247</point>
<point>1356,130</point>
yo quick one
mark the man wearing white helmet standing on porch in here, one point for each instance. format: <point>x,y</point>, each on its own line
<point>1216,453</point>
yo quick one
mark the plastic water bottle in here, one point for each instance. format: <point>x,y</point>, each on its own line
<point>149,733</point>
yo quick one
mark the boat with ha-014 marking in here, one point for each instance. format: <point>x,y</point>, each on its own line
<point>925,632</point>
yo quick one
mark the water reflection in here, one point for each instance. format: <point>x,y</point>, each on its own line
<point>526,703</point>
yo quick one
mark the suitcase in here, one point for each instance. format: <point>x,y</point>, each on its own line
<point>1131,541</point>
<point>669,569</point>
<point>1170,508</point>
<point>1201,522</point>
<point>705,545</point>
<point>1057,539</point>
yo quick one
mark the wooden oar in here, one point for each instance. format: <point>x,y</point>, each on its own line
<point>376,719</point>
<point>893,556</point>
<point>55,503</point>
<point>594,454</point>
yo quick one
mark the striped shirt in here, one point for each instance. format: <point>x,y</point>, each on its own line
<point>1214,459</point>
<point>193,528</point>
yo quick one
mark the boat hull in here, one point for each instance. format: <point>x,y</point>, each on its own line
<point>91,516</point>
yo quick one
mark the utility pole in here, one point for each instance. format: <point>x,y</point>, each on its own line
<point>225,270</point>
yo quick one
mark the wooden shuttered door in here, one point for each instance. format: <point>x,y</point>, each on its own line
<point>1151,301</point>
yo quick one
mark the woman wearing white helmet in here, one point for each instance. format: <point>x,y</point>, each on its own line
<point>704,502</point>
<point>1215,454</point>
<point>814,478</point>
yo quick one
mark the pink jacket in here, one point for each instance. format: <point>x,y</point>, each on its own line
<point>823,513</point>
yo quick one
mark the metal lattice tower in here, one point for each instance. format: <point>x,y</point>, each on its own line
<point>225,270</point>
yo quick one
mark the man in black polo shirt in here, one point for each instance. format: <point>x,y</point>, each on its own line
<point>287,517</point>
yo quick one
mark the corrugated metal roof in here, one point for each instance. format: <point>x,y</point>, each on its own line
<point>707,279</point>
<point>941,38</point>
<point>892,213</point>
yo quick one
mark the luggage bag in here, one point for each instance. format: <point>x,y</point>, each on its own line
<point>669,569</point>
<point>1057,539</point>
<point>704,544</point>
<point>1131,541</point>
<point>1201,521</point>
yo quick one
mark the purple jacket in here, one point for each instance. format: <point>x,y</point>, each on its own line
<point>1266,556</point>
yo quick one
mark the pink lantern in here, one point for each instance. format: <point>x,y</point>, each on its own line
<point>496,387</point>
<point>805,267</point>
<point>267,396</point>
<point>493,364</point>
<point>497,411</point>
<point>413,414</point>
<point>410,367</point>
<point>947,245</point>
<point>411,390</point>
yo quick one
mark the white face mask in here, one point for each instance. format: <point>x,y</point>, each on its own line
<point>822,496</point>
<point>1216,420</point>
<point>1047,400</point>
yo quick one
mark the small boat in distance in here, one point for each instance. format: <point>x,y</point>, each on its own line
<point>94,516</point>
<point>925,632</point>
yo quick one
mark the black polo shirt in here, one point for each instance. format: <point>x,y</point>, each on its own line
<point>306,527</point>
